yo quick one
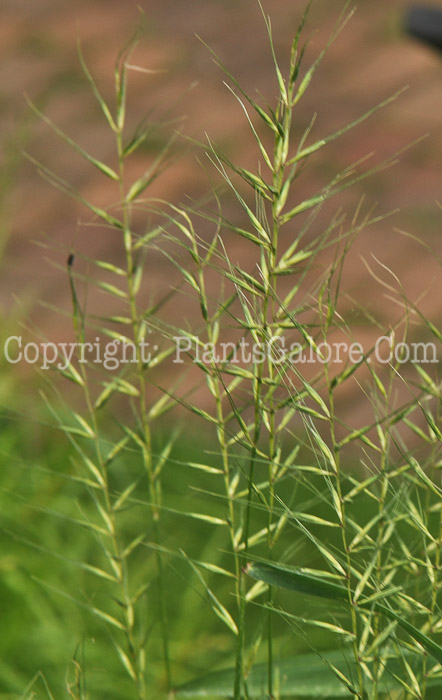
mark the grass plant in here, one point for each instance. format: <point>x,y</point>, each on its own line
<point>274,548</point>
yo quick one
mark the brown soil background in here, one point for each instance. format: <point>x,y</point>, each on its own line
<point>371,60</point>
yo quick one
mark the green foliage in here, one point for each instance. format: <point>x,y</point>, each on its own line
<point>162,521</point>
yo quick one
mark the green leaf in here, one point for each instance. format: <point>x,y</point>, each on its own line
<point>307,675</point>
<point>297,580</point>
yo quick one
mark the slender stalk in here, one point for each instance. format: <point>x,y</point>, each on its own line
<point>218,390</point>
<point>117,557</point>
<point>434,568</point>
<point>239,671</point>
<point>137,330</point>
<point>384,485</point>
<point>344,530</point>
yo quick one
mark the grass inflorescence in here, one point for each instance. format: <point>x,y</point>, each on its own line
<point>274,537</point>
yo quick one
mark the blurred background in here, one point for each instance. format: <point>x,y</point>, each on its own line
<point>371,60</point>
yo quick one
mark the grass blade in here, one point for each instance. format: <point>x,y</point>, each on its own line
<point>300,582</point>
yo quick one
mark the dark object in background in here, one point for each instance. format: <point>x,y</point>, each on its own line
<point>425,23</point>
